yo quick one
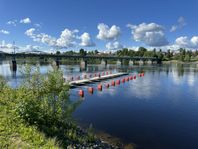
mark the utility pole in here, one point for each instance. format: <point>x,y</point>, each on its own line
<point>14,50</point>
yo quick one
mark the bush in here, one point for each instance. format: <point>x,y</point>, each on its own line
<point>41,104</point>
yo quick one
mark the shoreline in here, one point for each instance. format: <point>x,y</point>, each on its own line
<point>179,62</point>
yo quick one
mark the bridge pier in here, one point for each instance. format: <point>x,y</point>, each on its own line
<point>13,65</point>
<point>83,64</point>
<point>141,62</point>
<point>119,62</point>
<point>131,63</point>
<point>149,62</point>
<point>104,62</point>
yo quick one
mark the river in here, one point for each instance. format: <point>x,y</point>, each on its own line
<point>157,111</point>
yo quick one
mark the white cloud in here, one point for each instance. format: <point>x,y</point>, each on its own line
<point>151,34</point>
<point>30,48</point>
<point>86,40</point>
<point>173,28</point>
<point>114,46</point>
<point>4,32</point>
<point>108,33</point>
<point>12,22</point>
<point>194,41</point>
<point>25,21</point>
<point>66,39</point>
<point>185,42</point>
<point>180,24</point>
<point>30,32</point>
<point>181,21</point>
<point>7,47</point>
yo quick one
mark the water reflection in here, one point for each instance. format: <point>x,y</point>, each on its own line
<point>155,111</point>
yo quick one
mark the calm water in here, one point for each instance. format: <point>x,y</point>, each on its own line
<point>159,110</point>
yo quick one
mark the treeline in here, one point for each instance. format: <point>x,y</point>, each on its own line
<point>180,54</point>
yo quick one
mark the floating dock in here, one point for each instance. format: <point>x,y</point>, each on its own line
<point>95,79</point>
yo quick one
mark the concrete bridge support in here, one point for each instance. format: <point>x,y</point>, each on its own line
<point>131,63</point>
<point>141,62</point>
<point>119,62</point>
<point>149,62</point>
<point>83,64</point>
<point>104,62</point>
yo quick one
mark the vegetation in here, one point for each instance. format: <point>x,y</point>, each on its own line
<point>181,54</point>
<point>38,114</point>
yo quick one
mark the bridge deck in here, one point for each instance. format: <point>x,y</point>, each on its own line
<point>95,79</point>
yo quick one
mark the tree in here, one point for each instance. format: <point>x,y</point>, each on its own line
<point>141,51</point>
<point>58,52</point>
<point>187,57</point>
<point>82,52</point>
<point>96,52</point>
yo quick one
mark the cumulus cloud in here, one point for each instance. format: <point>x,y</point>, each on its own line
<point>194,41</point>
<point>30,48</point>
<point>108,33</point>
<point>180,24</point>
<point>185,42</point>
<point>12,22</point>
<point>7,47</point>
<point>4,32</point>
<point>151,34</point>
<point>25,21</point>
<point>30,32</point>
<point>114,45</point>
<point>66,39</point>
<point>86,40</point>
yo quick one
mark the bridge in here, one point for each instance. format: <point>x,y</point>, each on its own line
<point>83,58</point>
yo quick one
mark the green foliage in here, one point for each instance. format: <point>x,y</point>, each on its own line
<point>181,54</point>
<point>37,111</point>
<point>82,52</point>
<point>91,136</point>
<point>2,83</point>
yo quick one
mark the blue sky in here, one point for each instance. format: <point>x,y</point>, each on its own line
<point>98,24</point>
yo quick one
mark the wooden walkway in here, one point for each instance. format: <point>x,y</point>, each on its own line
<point>95,79</point>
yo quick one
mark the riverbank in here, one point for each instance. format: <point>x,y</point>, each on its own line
<point>38,115</point>
<point>179,62</point>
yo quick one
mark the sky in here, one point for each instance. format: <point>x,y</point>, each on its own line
<point>105,25</point>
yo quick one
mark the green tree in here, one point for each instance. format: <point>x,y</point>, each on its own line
<point>58,52</point>
<point>82,52</point>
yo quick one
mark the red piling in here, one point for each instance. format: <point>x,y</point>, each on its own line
<point>117,82</point>
<point>90,90</point>
<point>112,83</point>
<point>81,93</point>
<point>100,87</point>
<point>107,85</point>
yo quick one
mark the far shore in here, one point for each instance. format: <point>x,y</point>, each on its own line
<point>179,62</point>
